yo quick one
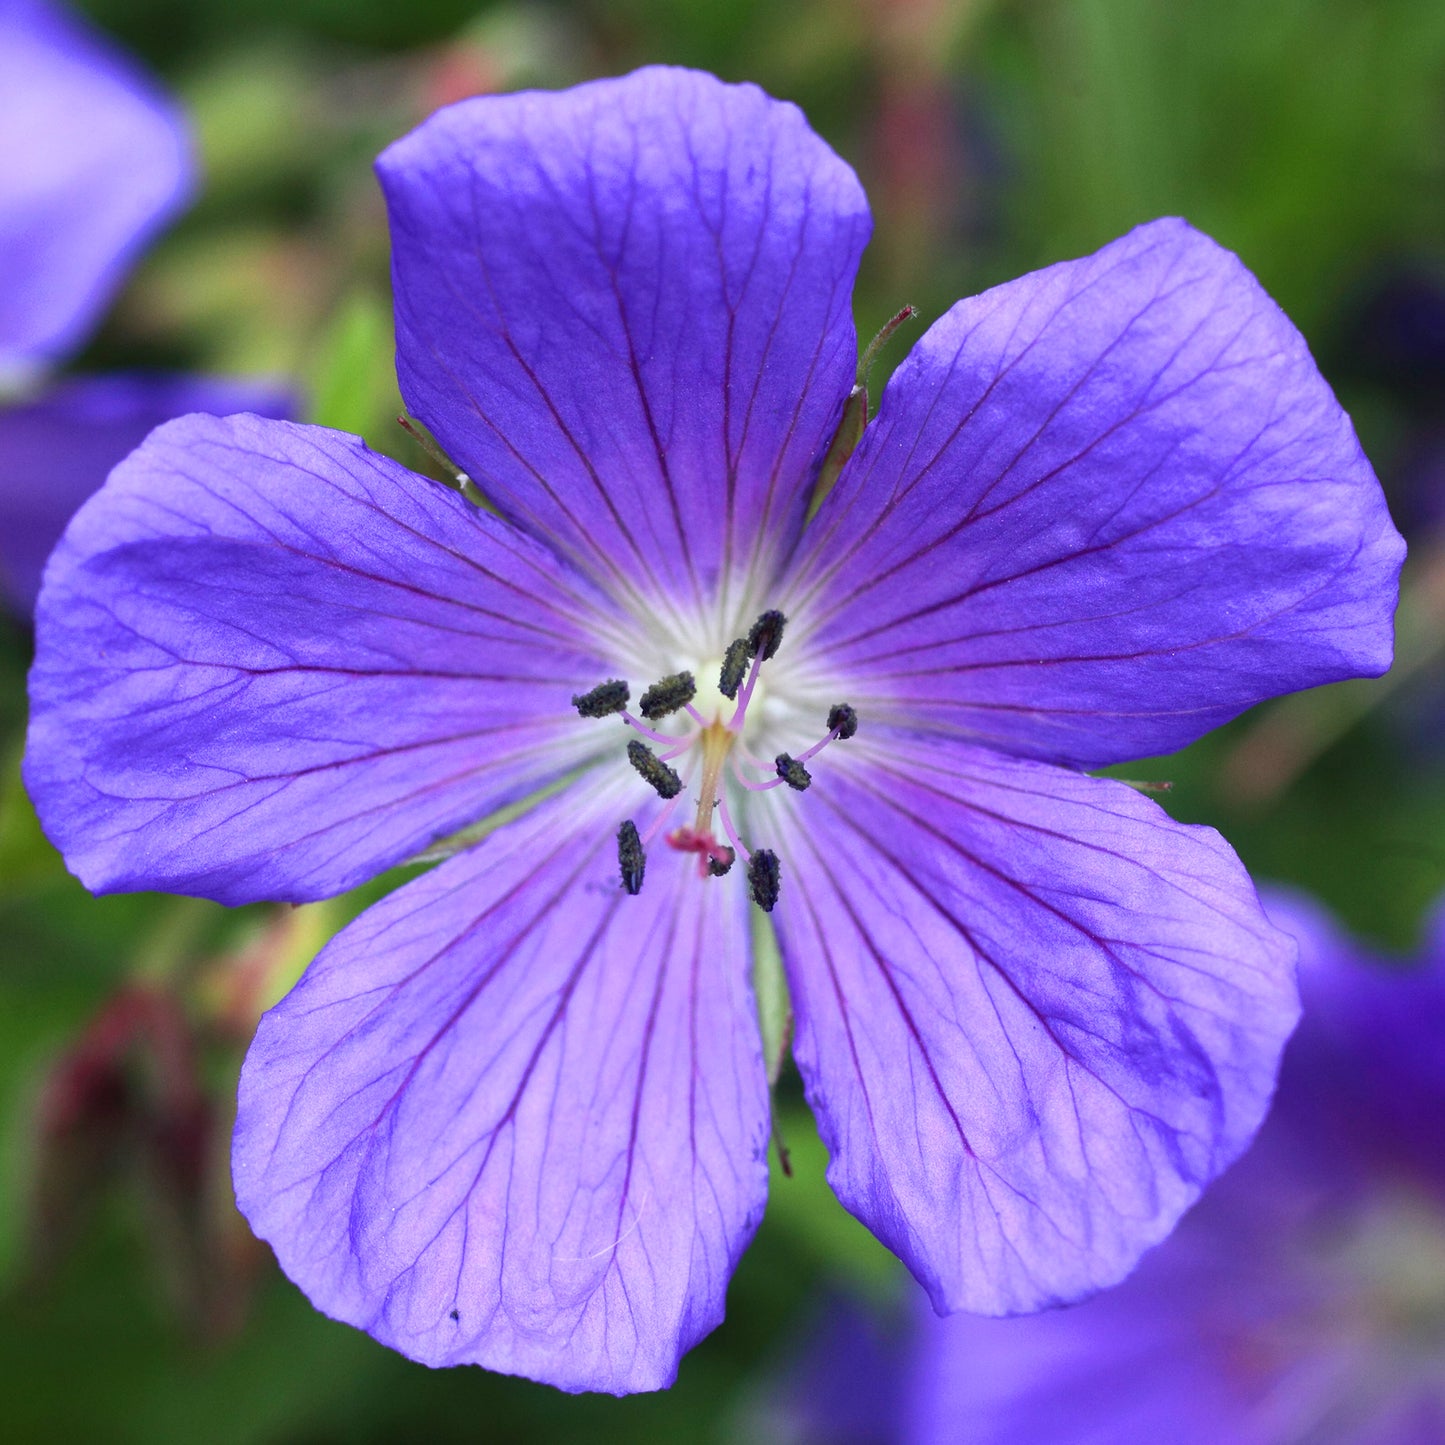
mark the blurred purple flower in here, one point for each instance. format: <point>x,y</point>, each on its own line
<point>516,1116</point>
<point>1302,1303</point>
<point>1394,342</point>
<point>93,161</point>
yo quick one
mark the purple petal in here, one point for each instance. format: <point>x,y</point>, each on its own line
<point>625,310</point>
<point>1035,1016</point>
<point>95,161</point>
<point>516,1118</point>
<point>1289,1306</point>
<point>1216,1342</point>
<point>844,1386</point>
<point>1235,1330</point>
<point>1178,1353</point>
<point>55,451</point>
<point>1103,509</point>
<point>1366,1074</point>
<point>270,663</point>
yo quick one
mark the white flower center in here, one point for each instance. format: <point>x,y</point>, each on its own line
<point>708,730</point>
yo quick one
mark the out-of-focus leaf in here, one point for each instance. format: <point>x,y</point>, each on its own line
<point>805,1209</point>
<point>1305,134</point>
<point>354,384</point>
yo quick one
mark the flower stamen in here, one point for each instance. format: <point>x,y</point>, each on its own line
<point>732,833</point>
<point>654,772</point>
<point>713,858</point>
<point>735,664</point>
<point>668,695</point>
<point>604,699</point>
<point>722,751</point>
<point>720,861</point>
<point>842,723</point>
<point>792,772</point>
<point>764,878</point>
<point>631,858</point>
<point>766,635</point>
<point>754,787</point>
<point>665,740</point>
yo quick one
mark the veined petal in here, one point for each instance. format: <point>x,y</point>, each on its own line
<point>1104,508</point>
<point>516,1118</point>
<point>1035,1016</point>
<point>95,161</point>
<point>625,310</point>
<point>270,663</point>
<point>56,450</point>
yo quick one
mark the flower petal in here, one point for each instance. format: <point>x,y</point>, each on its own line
<point>95,161</point>
<point>1267,1311</point>
<point>1352,1106</point>
<point>515,1117</point>
<point>1035,1016</point>
<point>1179,1352</point>
<point>1103,509</point>
<point>56,450</point>
<point>270,663</point>
<point>624,309</point>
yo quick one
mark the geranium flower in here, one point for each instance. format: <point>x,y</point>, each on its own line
<point>1304,1300</point>
<point>93,161</point>
<point>517,1113</point>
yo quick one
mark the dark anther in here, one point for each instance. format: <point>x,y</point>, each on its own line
<point>630,857</point>
<point>763,878</point>
<point>654,771</point>
<point>735,664</point>
<point>792,772</point>
<point>718,866</point>
<point>765,635</point>
<point>604,699</point>
<point>667,695</point>
<point>842,720</point>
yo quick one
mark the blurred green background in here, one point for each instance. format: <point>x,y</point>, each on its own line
<point>1308,135</point>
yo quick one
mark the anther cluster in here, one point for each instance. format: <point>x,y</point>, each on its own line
<point>715,754</point>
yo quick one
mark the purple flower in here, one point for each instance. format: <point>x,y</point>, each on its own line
<point>517,1114</point>
<point>93,161</point>
<point>1303,1301</point>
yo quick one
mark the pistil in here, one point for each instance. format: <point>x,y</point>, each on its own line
<point>717,743</point>
<point>713,857</point>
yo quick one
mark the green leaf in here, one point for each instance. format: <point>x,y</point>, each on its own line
<point>353,381</point>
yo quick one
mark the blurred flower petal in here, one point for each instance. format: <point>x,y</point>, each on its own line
<point>93,161</point>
